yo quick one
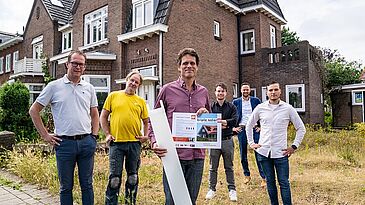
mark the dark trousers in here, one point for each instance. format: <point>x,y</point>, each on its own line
<point>118,152</point>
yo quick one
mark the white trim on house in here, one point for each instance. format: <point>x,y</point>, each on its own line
<point>94,45</point>
<point>65,27</point>
<point>100,56</point>
<point>60,58</point>
<point>141,33</point>
<point>229,6</point>
<point>37,39</point>
<point>10,43</point>
<point>261,8</point>
<point>217,29</point>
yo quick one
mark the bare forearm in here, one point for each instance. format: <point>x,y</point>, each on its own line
<point>104,122</point>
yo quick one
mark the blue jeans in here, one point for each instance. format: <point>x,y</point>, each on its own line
<point>281,166</point>
<point>68,154</point>
<point>118,152</point>
<point>193,173</point>
<point>242,139</point>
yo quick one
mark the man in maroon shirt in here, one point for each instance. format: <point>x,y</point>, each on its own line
<point>184,95</point>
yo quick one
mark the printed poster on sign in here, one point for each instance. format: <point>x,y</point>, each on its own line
<point>192,131</point>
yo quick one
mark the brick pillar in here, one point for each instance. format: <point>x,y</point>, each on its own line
<point>7,140</point>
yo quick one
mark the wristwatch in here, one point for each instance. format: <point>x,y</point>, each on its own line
<point>294,147</point>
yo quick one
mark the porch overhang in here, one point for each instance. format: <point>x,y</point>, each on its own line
<point>11,42</point>
<point>145,78</point>
<point>141,33</point>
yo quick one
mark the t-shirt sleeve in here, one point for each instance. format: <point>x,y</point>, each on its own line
<point>94,99</point>
<point>107,103</point>
<point>46,95</point>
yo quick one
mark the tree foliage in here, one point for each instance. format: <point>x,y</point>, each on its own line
<point>14,104</point>
<point>339,70</point>
<point>288,37</point>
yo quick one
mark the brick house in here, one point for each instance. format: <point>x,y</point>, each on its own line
<point>348,105</point>
<point>238,41</point>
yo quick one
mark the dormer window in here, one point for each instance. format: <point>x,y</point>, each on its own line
<point>142,13</point>
<point>96,26</point>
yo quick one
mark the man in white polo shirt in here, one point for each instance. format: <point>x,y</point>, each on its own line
<point>76,119</point>
<point>272,148</point>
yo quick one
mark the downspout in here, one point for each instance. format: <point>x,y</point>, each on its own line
<point>239,53</point>
<point>363,106</point>
<point>160,58</point>
<point>351,114</point>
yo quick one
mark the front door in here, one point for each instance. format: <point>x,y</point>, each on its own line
<point>147,92</point>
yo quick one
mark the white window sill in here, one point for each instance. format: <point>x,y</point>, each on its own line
<point>247,52</point>
<point>93,45</point>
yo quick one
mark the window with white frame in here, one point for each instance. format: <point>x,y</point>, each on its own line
<point>8,63</point>
<point>96,26</point>
<point>235,90</point>
<point>37,50</point>
<point>357,97</point>
<point>295,95</point>
<point>35,90</point>
<point>253,92</point>
<point>142,13</point>
<point>272,37</point>
<point>1,65</point>
<point>15,58</point>
<point>66,41</point>
<point>217,29</point>
<point>264,96</point>
<point>147,71</point>
<point>101,84</point>
<point>247,39</point>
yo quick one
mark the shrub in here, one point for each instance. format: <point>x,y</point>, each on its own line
<point>14,103</point>
<point>360,128</point>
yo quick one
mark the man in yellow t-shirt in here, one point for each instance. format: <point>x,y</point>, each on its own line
<point>124,137</point>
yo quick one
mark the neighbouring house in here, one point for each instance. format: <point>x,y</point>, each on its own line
<point>348,105</point>
<point>238,41</point>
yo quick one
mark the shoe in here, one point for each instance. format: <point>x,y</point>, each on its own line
<point>233,195</point>
<point>246,179</point>
<point>263,183</point>
<point>210,194</point>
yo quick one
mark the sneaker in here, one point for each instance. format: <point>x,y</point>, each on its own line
<point>233,195</point>
<point>246,179</point>
<point>210,194</point>
<point>263,183</point>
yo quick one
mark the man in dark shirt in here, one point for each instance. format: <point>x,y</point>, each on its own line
<point>229,120</point>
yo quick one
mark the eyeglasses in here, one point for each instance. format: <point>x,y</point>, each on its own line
<point>75,64</point>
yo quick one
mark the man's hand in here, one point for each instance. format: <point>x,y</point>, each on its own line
<point>224,123</point>
<point>142,139</point>
<point>288,151</point>
<point>201,111</point>
<point>159,151</point>
<point>109,138</point>
<point>257,129</point>
<point>237,129</point>
<point>52,139</point>
<point>255,146</point>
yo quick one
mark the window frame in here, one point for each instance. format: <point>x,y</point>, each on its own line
<point>353,94</point>
<point>146,20</point>
<point>253,92</point>
<point>1,65</point>
<point>253,39</point>
<point>15,58</point>
<point>38,48</point>
<point>217,29</point>
<point>287,88</point>
<point>8,63</point>
<point>273,37</point>
<point>32,92</point>
<point>264,96</point>
<point>235,90</point>
<point>105,89</point>
<point>68,40</point>
<point>90,21</point>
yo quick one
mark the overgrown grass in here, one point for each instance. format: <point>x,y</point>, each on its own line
<point>328,168</point>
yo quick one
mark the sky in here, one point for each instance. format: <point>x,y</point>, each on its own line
<point>334,24</point>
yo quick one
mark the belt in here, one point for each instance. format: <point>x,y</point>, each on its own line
<point>227,137</point>
<point>75,137</point>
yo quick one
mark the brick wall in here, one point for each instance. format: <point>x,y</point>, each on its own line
<point>190,27</point>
